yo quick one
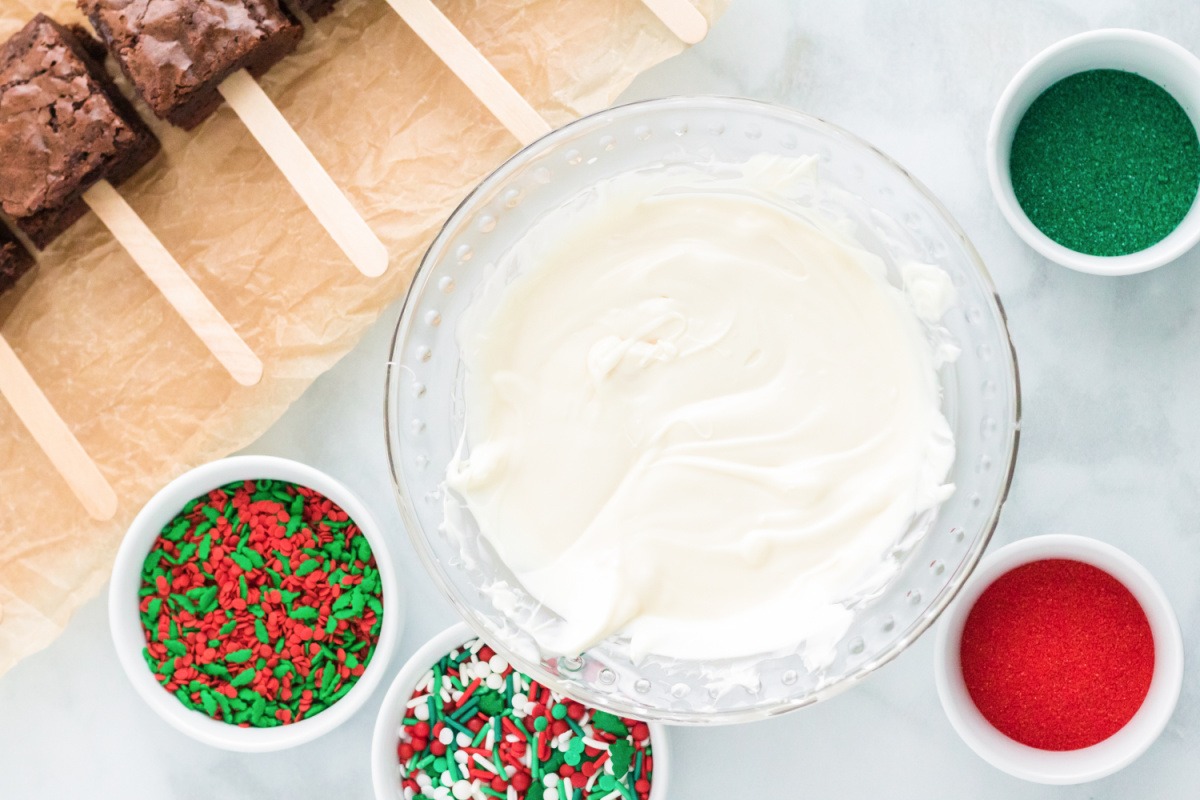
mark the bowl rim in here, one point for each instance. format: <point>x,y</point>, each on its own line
<point>999,138</point>
<point>1103,758</point>
<point>384,737</point>
<point>395,366</point>
<point>126,628</point>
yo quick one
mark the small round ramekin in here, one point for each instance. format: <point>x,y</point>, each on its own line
<point>385,769</point>
<point>1166,63</point>
<point>126,624</point>
<point>1069,766</point>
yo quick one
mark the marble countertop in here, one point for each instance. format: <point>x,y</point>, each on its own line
<point>1110,449</point>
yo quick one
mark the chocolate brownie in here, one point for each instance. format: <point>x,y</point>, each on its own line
<point>15,260</point>
<point>177,52</point>
<point>63,127</point>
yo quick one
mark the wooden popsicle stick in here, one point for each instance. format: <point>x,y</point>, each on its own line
<point>301,168</point>
<point>484,81</point>
<point>180,290</point>
<point>683,18</point>
<point>54,437</point>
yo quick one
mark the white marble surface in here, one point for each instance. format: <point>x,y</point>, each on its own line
<point>1111,446</point>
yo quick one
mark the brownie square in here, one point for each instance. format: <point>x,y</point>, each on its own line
<point>15,260</point>
<point>63,127</point>
<point>177,52</point>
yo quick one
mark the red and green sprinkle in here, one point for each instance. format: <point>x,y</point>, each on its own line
<point>476,729</point>
<point>261,603</point>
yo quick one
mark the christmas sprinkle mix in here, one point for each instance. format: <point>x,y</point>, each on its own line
<point>476,729</point>
<point>261,603</point>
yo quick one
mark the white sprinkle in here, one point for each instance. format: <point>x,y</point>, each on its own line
<point>447,778</point>
<point>485,763</point>
<point>421,712</point>
<point>498,664</point>
<point>551,780</point>
<point>463,740</point>
<point>417,701</point>
<point>463,790</point>
<point>590,742</point>
<point>495,682</point>
<point>550,794</point>
<point>476,645</point>
<point>446,736</point>
<point>409,794</point>
<point>460,756</point>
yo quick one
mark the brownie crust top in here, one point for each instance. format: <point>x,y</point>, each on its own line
<point>173,49</point>
<point>59,129</point>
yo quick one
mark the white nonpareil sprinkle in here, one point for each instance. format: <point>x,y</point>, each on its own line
<point>498,664</point>
<point>446,736</point>
<point>463,790</point>
<point>421,712</point>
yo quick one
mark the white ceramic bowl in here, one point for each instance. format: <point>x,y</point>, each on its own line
<point>1166,63</point>
<point>385,769</point>
<point>1071,766</point>
<point>126,625</point>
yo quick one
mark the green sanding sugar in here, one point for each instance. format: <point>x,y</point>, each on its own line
<point>1105,162</point>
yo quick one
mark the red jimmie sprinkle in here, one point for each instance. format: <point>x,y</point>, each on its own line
<point>1057,654</point>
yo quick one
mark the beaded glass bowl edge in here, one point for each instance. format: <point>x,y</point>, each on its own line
<point>423,413</point>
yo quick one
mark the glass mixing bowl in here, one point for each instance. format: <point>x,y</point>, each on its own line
<point>425,404</point>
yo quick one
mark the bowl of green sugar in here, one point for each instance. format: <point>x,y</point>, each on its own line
<point>1093,155</point>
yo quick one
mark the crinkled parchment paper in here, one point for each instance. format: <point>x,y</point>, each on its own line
<point>405,140</point>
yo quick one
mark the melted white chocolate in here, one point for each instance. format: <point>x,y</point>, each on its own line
<point>698,417</point>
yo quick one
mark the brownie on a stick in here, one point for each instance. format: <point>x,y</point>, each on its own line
<point>177,52</point>
<point>66,137</point>
<point>63,128</point>
<point>185,56</point>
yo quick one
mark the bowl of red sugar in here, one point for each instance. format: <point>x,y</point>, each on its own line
<point>1061,661</point>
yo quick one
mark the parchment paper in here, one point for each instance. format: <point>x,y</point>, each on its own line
<point>405,140</point>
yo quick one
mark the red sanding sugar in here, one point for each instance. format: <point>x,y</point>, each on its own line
<point>1057,654</point>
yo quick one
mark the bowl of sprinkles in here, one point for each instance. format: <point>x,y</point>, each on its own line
<point>253,603</point>
<point>1093,154</point>
<point>459,723</point>
<point>1061,661</point>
